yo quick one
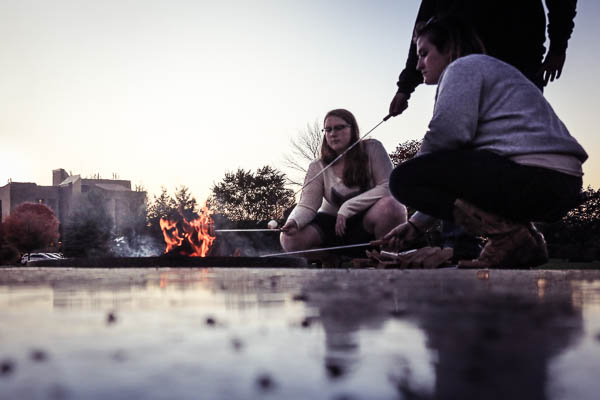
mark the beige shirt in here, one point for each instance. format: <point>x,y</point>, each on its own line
<point>328,194</point>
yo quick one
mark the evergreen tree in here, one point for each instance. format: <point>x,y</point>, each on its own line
<point>88,231</point>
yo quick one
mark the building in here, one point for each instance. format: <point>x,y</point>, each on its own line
<point>66,192</point>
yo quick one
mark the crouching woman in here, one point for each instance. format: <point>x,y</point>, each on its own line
<point>495,156</point>
<point>349,202</point>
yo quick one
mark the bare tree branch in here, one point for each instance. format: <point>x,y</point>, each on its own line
<point>305,148</point>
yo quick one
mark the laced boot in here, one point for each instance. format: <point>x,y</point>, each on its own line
<point>540,256</point>
<point>510,244</point>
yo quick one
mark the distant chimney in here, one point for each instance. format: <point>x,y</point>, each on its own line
<point>58,175</point>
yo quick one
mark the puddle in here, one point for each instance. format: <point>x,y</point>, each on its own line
<point>298,333</point>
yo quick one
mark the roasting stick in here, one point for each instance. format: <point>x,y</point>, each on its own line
<point>247,230</point>
<point>315,250</point>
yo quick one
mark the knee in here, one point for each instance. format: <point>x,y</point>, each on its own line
<point>401,179</point>
<point>388,209</point>
<point>296,242</point>
<point>287,242</point>
<point>395,210</point>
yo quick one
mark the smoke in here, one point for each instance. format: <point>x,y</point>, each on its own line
<point>249,244</point>
<point>136,246</point>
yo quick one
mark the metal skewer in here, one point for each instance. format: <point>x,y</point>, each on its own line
<point>315,250</point>
<point>248,230</point>
<point>342,154</point>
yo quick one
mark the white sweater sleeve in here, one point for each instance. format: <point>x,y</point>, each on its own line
<point>311,197</point>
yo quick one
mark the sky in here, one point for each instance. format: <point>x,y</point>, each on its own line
<point>179,92</point>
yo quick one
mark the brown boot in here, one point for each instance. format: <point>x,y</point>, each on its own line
<point>510,244</point>
<point>541,255</point>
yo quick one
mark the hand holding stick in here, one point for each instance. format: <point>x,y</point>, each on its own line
<point>398,238</point>
<point>290,228</point>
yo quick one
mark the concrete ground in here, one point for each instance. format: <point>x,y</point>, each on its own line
<point>217,333</point>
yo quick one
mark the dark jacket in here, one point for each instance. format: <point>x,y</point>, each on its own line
<point>512,30</point>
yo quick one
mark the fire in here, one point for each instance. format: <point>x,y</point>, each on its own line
<point>189,238</point>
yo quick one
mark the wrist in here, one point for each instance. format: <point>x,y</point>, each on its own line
<point>421,222</point>
<point>414,227</point>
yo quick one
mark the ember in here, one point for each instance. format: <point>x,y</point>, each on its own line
<point>189,238</point>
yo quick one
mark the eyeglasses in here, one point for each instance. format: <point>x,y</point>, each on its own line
<point>335,128</point>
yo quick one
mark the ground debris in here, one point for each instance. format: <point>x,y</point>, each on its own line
<point>300,297</point>
<point>335,369</point>
<point>39,355</point>
<point>111,318</point>
<point>6,367</point>
<point>265,382</point>
<point>237,344</point>
<point>423,258</point>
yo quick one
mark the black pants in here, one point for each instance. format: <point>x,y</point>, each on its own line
<point>431,183</point>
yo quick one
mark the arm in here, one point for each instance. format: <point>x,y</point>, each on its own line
<point>406,233</point>
<point>310,199</point>
<point>561,14</point>
<point>410,78</point>
<point>380,167</point>
<point>456,110</point>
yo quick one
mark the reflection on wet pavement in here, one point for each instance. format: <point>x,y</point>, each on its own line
<point>298,334</point>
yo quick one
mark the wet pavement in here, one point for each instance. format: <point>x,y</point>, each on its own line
<point>241,333</point>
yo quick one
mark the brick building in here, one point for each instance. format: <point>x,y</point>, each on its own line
<point>67,190</point>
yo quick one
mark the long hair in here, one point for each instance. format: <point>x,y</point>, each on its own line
<point>451,35</point>
<point>356,159</point>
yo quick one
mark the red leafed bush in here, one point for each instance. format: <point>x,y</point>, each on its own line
<point>31,226</point>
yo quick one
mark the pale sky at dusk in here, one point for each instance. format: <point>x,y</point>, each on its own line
<point>178,92</point>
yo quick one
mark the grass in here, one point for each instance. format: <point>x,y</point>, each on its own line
<point>556,263</point>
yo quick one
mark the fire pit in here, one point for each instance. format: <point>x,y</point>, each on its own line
<point>175,261</point>
<point>188,244</point>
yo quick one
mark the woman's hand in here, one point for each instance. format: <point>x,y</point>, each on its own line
<point>340,225</point>
<point>398,238</point>
<point>290,228</point>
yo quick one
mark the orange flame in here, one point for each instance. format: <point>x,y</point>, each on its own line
<point>198,233</point>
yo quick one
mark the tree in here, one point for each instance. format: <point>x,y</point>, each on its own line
<point>185,203</point>
<point>306,147</point>
<point>173,208</point>
<point>244,196</point>
<point>31,226</point>
<point>577,235</point>
<point>163,206</point>
<point>8,252</point>
<point>130,234</point>
<point>405,151</point>
<point>88,230</point>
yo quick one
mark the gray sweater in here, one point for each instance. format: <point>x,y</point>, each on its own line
<point>483,103</point>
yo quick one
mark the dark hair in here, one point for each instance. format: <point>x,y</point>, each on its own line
<point>450,35</point>
<point>356,159</point>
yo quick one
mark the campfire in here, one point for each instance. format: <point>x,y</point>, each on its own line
<point>189,244</point>
<point>189,237</point>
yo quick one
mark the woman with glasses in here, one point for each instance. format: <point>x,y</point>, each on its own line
<point>349,202</point>
<point>495,156</point>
